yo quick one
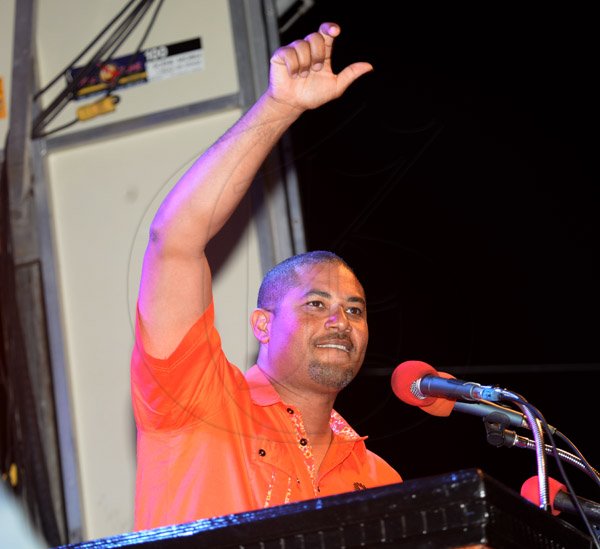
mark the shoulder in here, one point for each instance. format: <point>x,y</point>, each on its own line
<point>382,470</point>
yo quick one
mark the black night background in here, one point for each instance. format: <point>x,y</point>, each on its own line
<point>458,180</point>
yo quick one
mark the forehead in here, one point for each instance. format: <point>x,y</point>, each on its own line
<point>332,278</point>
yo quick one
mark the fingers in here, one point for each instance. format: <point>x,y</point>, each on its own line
<point>304,57</point>
<point>352,73</point>
<point>317,47</point>
<point>312,53</point>
<point>329,31</point>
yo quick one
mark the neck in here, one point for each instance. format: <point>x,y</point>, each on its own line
<point>316,414</point>
<point>315,407</point>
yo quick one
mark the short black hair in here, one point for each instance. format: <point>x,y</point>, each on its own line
<point>283,276</point>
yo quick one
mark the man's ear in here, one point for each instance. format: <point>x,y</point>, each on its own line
<point>261,324</point>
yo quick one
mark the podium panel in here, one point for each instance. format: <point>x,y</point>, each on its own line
<point>463,509</point>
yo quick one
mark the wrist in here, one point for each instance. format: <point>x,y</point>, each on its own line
<point>281,110</point>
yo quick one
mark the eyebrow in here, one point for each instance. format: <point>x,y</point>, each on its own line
<point>321,293</point>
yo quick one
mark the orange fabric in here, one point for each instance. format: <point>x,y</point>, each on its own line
<point>213,441</point>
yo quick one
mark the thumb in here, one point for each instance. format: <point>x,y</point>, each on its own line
<point>351,73</point>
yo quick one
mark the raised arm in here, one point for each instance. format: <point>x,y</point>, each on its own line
<point>176,282</point>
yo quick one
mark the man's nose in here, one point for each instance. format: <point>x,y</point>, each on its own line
<point>338,319</point>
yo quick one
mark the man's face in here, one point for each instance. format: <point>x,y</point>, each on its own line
<point>318,332</point>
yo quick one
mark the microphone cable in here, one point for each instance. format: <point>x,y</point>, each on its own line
<point>592,472</point>
<point>563,473</point>
<point>531,412</point>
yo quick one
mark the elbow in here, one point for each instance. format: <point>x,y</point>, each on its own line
<point>154,235</point>
<point>157,234</point>
<point>169,237</point>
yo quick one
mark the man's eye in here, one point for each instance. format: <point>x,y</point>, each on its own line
<point>315,303</point>
<point>356,311</point>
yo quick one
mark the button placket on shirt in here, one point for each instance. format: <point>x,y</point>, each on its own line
<point>303,446</point>
<point>291,412</point>
<point>302,441</point>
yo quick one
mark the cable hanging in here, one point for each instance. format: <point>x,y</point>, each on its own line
<point>102,55</point>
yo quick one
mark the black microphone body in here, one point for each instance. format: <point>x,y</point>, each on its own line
<point>514,419</point>
<point>435,386</point>
<point>591,509</point>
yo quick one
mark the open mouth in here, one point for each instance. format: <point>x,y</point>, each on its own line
<point>346,347</point>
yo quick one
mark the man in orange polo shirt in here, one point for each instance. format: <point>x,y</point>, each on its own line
<point>212,440</point>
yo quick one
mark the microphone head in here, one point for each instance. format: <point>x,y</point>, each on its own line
<point>406,374</point>
<point>403,378</point>
<point>441,407</point>
<point>531,491</point>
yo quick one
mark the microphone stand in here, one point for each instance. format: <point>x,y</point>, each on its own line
<point>523,442</point>
<point>498,435</point>
<point>538,437</point>
<point>502,421</point>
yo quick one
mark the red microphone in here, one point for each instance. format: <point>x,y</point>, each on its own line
<point>407,374</point>
<point>531,492</point>
<point>559,499</point>
<point>438,393</point>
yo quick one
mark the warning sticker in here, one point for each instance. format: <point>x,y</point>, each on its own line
<point>156,63</point>
<point>167,61</point>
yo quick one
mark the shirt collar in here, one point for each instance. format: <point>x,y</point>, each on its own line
<point>261,390</point>
<point>264,394</point>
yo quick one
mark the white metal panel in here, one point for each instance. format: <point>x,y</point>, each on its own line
<point>102,200</point>
<point>103,187</point>
<point>66,27</point>
<point>102,196</point>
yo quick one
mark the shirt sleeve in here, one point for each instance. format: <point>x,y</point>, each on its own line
<point>188,386</point>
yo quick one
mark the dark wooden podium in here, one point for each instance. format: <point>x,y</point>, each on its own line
<point>462,509</point>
